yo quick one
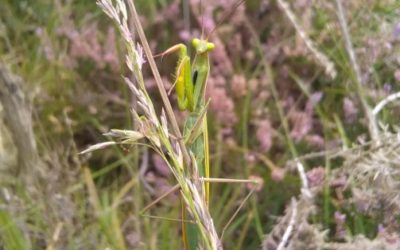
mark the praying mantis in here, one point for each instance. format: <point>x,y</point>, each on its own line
<point>191,82</point>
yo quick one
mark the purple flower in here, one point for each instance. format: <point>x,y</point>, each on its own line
<point>316,176</point>
<point>396,31</point>
<point>302,124</point>
<point>264,134</point>
<point>397,75</point>
<point>340,220</point>
<point>350,110</point>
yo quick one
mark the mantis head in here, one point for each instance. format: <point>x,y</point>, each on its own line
<point>202,46</point>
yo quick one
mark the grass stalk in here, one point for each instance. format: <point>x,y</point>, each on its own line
<point>372,124</point>
<point>157,77</point>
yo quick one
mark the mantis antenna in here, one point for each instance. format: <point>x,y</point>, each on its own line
<point>202,19</point>
<point>226,16</point>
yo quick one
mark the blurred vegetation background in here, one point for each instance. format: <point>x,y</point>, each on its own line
<point>282,86</point>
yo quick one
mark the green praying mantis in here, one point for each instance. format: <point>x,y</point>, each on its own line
<point>191,82</point>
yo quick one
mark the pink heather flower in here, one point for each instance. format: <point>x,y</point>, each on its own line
<point>169,13</point>
<point>249,55</point>
<point>185,35</point>
<point>314,99</point>
<point>150,177</point>
<point>253,84</point>
<point>350,110</point>
<point>392,238</point>
<point>264,134</point>
<point>361,201</point>
<point>46,43</point>
<point>397,75</point>
<point>85,43</point>
<point>133,238</point>
<point>339,182</point>
<point>340,220</point>
<point>302,3</point>
<point>239,85</point>
<point>315,176</point>
<point>250,158</point>
<point>221,104</point>
<point>217,81</point>
<point>220,57</point>
<point>278,174</point>
<point>315,141</point>
<point>302,124</point>
<point>263,95</point>
<point>227,132</point>
<point>257,187</point>
<point>208,23</point>
<point>230,142</point>
<point>235,44</point>
<point>396,31</point>
<point>387,87</point>
<point>302,121</point>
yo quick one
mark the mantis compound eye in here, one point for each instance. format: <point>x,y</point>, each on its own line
<point>195,42</point>
<point>210,46</point>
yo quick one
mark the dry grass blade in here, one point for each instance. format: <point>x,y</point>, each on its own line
<point>160,85</point>
<point>98,146</point>
<point>321,58</point>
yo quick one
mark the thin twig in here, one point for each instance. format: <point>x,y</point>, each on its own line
<point>56,236</point>
<point>321,58</point>
<point>236,212</point>
<point>384,102</point>
<point>289,229</point>
<point>168,219</point>
<point>173,189</point>
<point>224,180</point>
<point>305,188</point>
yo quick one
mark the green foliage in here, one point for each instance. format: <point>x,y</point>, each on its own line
<point>11,236</point>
